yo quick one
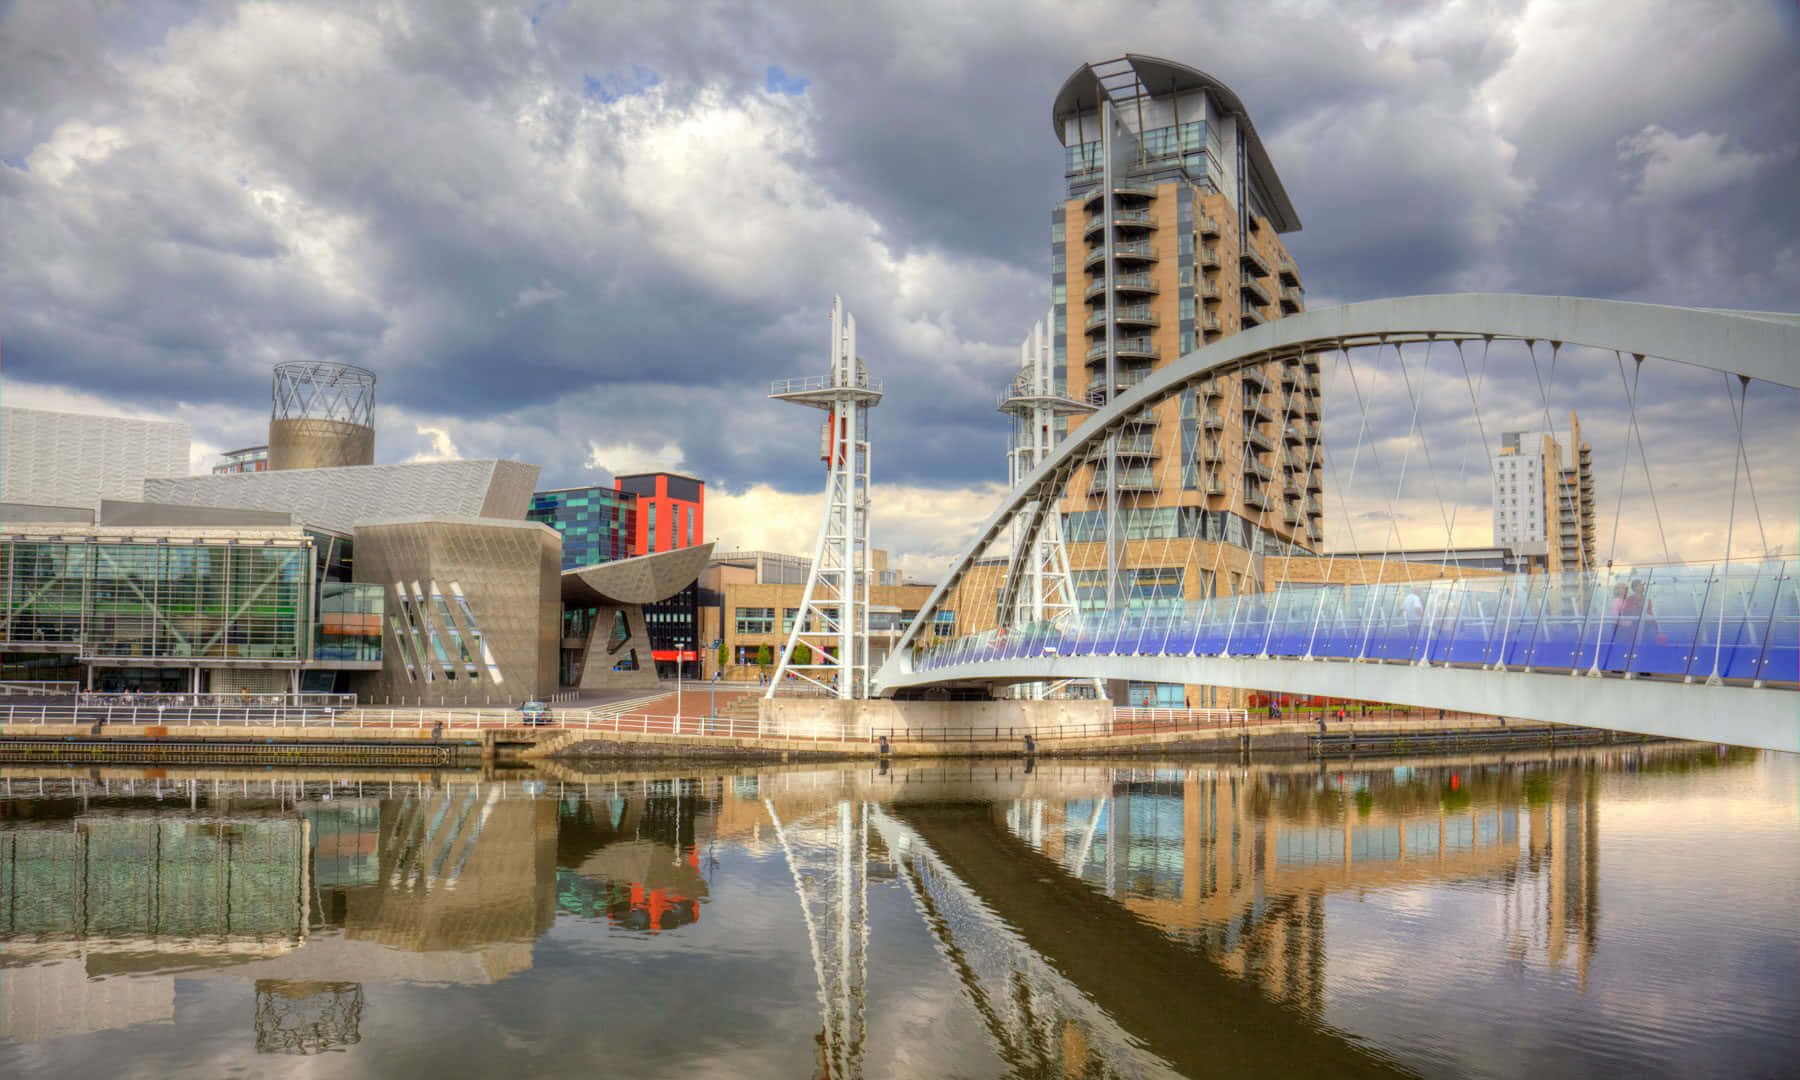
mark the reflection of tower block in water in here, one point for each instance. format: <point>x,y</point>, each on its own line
<point>307,1017</point>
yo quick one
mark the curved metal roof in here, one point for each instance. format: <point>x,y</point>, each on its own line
<point>644,579</point>
<point>1081,92</point>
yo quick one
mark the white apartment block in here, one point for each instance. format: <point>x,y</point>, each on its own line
<point>1519,518</point>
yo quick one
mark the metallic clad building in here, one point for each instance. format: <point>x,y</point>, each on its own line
<point>77,459</point>
<point>474,609</point>
<point>339,499</point>
<point>323,416</point>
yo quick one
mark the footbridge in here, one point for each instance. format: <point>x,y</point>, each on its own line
<point>1207,563</point>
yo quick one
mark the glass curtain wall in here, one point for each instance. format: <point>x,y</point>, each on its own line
<point>170,599</point>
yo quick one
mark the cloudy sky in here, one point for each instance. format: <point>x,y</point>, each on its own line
<point>589,235</point>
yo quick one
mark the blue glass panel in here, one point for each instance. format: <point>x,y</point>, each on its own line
<point>1781,661</point>
<point>1657,630</point>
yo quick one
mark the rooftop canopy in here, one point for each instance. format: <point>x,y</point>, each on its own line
<point>1083,90</point>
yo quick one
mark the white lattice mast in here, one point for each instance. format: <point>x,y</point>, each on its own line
<point>833,621</point>
<point>1047,589</point>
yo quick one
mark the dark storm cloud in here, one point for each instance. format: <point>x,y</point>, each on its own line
<point>567,226</point>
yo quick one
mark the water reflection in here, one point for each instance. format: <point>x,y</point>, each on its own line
<point>1066,919</point>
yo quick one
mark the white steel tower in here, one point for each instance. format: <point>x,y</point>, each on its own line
<point>1046,589</point>
<point>833,621</point>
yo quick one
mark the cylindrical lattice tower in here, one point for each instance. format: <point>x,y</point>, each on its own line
<point>323,416</point>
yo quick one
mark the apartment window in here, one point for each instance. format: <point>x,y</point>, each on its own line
<point>1059,294</point>
<point>651,531</point>
<point>691,537</point>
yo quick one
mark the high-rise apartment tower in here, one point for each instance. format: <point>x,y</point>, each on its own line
<point>1169,239</point>
<point>1544,507</point>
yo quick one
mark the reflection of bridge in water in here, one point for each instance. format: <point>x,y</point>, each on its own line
<point>1071,903</point>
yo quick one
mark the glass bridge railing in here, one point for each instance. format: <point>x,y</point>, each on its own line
<point>1740,621</point>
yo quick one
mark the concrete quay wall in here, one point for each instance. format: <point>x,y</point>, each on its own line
<point>863,719</point>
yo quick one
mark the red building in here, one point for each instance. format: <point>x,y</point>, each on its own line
<point>671,510</point>
<point>671,513</point>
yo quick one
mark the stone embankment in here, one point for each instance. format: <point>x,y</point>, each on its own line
<point>813,729</point>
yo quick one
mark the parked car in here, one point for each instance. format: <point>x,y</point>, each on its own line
<point>535,712</point>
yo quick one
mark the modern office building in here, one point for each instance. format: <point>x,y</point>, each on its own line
<point>751,599</point>
<point>249,459</point>
<point>671,515</point>
<point>597,524</point>
<point>1169,239</point>
<point>1544,498</point>
<point>78,459</point>
<point>671,510</point>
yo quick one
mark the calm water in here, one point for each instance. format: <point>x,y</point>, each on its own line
<point>1598,913</point>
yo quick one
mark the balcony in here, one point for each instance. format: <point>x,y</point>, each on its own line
<point>1212,485</point>
<point>1257,439</point>
<point>1290,490</point>
<point>1254,377</point>
<point>1212,452</point>
<point>1130,315</point>
<point>1258,498</point>
<point>1131,348</point>
<point>1291,376</point>
<point>1248,288</point>
<point>1314,482</point>
<point>1253,467</point>
<point>1293,300</point>
<point>1134,446</point>
<point>1139,250</point>
<point>1122,219</point>
<point>1292,435</point>
<point>1290,274</point>
<point>1212,421</point>
<point>1209,322</point>
<point>1131,482</point>
<point>1125,283</point>
<point>1209,292</point>
<point>1128,189</point>
<point>1292,463</point>
<point>1312,408</point>
<point>1253,263</point>
<point>1311,363</point>
<point>1291,515</point>
<point>1208,257</point>
<point>1313,509</point>
<point>1213,390</point>
<point>1208,226</point>
<point>1248,316</point>
<point>1255,412</point>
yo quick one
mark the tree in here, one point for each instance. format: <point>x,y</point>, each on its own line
<point>802,654</point>
<point>722,656</point>
<point>763,656</point>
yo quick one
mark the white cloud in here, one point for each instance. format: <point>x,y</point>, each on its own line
<point>442,448</point>
<point>1677,168</point>
<point>922,529</point>
<point>623,459</point>
<point>531,296</point>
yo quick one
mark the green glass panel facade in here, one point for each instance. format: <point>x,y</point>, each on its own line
<point>176,600</point>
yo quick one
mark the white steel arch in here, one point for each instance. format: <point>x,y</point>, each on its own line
<point>1753,345</point>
